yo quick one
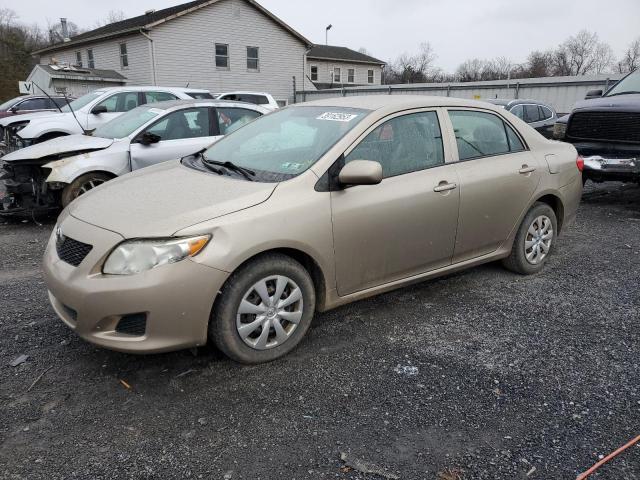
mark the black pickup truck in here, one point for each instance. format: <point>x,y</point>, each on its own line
<point>605,129</point>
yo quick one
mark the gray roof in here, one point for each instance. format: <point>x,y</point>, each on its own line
<point>331,52</point>
<point>87,74</point>
<point>148,20</point>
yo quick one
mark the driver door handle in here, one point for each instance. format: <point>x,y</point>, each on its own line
<point>526,169</point>
<point>445,186</point>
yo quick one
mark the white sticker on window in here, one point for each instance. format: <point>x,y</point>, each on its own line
<point>337,117</point>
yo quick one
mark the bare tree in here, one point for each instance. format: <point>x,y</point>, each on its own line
<point>17,41</point>
<point>112,17</point>
<point>416,68</point>
<point>582,54</point>
<point>631,58</point>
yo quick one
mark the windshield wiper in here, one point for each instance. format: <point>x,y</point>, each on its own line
<point>630,92</point>
<point>245,172</point>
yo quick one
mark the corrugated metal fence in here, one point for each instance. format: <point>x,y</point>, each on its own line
<point>559,92</point>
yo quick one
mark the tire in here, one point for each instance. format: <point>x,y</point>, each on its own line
<point>262,344</point>
<point>81,185</point>
<point>523,260</point>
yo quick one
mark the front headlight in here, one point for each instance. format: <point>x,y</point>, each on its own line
<point>559,130</point>
<point>135,256</point>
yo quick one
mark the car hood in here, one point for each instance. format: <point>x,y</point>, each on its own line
<point>28,116</point>
<point>70,144</point>
<point>629,102</point>
<point>161,200</point>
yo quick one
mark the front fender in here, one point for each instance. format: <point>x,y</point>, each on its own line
<point>37,129</point>
<point>70,168</point>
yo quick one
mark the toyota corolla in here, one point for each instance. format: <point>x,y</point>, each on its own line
<point>311,207</point>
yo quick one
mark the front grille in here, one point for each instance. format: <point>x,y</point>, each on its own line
<point>605,126</point>
<point>72,251</point>
<point>134,324</point>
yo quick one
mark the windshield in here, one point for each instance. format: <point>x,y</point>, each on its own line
<point>127,123</point>
<point>6,105</point>
<point>629,84</point>
<point>286,143</point>
<point>81,102</point>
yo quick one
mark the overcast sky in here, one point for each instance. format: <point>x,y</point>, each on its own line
<point>457,29</point>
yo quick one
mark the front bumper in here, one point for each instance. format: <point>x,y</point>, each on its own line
<point>602,168</point>
<point>176,300</point>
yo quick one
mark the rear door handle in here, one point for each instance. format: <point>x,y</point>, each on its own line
<point>445,186</point>
<point>526,169</point>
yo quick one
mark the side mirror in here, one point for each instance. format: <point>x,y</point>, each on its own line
<point>147,138</point>
<point>593,94</point>
<point>97,110</point>
<point>361,172</point>
<point>13,109</point>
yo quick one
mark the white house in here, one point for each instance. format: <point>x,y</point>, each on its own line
<point>219,45</point>
<point>329,66</point>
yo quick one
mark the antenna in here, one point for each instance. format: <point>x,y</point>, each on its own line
<point>84,131</point>
<point>52,101</point>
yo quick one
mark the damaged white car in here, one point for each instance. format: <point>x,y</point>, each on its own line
<point>49,175</point>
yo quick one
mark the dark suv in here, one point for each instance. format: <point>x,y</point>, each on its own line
<point>605,129</point>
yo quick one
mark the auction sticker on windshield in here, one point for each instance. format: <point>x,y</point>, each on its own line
<point>337,117</point>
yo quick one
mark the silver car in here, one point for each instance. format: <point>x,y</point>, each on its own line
<point>66,167</point>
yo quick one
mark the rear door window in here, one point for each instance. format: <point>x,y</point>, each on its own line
<point>531,113</point>
<point>153,97</point>
<point>230,119</point>
<point>482,134</point>
<point>404,144</point>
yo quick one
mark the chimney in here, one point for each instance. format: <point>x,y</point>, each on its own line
<point>65,30</point>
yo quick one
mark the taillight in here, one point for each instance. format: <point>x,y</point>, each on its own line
<point>580,163</point>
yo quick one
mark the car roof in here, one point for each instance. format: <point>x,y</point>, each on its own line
<point>176,104</point>
<point>243,92</point>
<point>395,102</point>
<point>152,88</point>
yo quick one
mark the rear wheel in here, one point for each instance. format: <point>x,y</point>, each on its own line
<point>534,241</point>
<point>263,310</point>
<point>82,185</point>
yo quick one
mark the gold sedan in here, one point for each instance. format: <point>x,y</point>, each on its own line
<point>308,208</point>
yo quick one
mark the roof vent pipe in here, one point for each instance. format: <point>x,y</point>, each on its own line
<point>65,30</point>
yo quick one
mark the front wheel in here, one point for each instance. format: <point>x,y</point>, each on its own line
<point>534,241</point>
<point>82,185</point>
<point>263,310</point>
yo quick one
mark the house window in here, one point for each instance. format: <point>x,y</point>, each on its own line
<point>90,61</point>
<point>336,75</point>
<point>314,73</point>
<point>222,55</point>
<point>351,75</point>
<point>370,76</point>
<point>79,59</point>
<point>253,61</point>
<point>124,57</point>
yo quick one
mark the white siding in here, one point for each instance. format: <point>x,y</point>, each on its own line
<point>106,55</point>
<point>325,69</point>
<point>185,51</point>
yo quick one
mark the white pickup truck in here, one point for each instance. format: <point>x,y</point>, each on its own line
<point>86,113</point>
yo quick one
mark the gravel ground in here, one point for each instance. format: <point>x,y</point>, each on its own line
<point>478,375</point>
